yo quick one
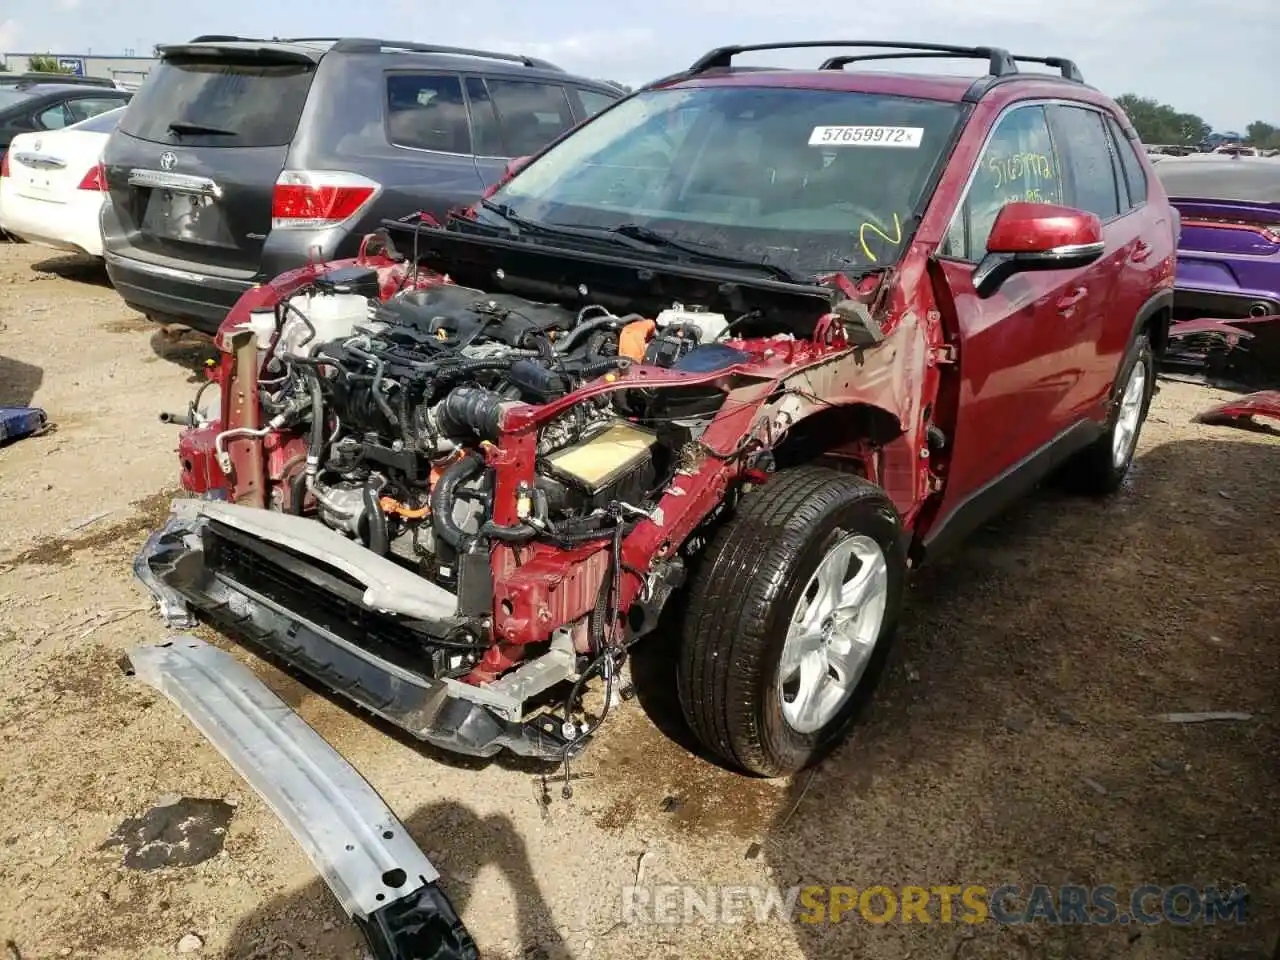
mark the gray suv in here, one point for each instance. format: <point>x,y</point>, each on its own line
<point>240,159</point>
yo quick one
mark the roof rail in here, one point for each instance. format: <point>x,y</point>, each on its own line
<point>372,45</point>
<point>361,45</point>
<point>1000,62</point>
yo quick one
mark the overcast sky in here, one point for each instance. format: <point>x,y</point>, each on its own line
<point>1216,58</point>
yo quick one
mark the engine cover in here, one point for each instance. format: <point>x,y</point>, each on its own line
<point>457,315</point>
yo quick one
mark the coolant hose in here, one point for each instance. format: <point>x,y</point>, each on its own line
<point>520,533</point>
<point>379,539</point>
<point>316,446</point>
<point>470,412</point>
<point>595,323</point>
<point>444,493</point>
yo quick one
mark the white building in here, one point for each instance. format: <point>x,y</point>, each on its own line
<point>126,71</point>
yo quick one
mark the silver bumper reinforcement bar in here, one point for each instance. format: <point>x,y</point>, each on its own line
<point>381,878</point>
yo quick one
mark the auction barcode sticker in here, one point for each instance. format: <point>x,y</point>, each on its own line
<point>866,136</point>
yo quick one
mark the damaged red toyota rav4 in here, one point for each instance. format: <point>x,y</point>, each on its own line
<point>750,341</point>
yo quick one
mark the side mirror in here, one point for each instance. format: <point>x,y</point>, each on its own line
<point>1037,236</point>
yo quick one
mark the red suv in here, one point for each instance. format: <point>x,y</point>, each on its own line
<point>750,341</point>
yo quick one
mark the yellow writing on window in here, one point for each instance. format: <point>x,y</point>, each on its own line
<point>874,228</point>
<point>1030,195</point>
<point>1017,166</point>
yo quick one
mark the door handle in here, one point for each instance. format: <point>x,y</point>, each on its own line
<point>1141,251</point>
<point>1067,305</point>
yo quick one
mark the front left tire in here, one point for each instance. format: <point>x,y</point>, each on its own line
<point>789,619</point>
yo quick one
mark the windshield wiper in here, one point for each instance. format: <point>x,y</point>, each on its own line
<point>654,238</point>
<point>182,128</point>
<point>637,237</point>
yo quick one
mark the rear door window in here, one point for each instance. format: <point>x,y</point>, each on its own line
<point>220,103</point>
<point>1091,176</point>
<point>531,114</point>
<point>425,111</point>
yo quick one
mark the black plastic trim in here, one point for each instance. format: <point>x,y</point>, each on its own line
<point>420,926</point>
<point>997,494</point>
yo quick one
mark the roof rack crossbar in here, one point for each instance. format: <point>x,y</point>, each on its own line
<point>838,63</point>
<point>1067,68</point>
<point>1000,62</point>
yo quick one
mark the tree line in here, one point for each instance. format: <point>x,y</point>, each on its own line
<point>1160,123</point>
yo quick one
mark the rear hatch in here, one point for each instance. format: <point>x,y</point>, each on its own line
<point>193,167</point>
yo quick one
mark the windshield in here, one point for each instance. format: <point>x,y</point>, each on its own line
<point>810,180</point>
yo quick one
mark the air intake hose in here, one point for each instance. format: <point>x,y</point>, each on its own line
<point>470,412</point>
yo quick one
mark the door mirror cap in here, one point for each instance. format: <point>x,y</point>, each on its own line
<point>1037,236</point>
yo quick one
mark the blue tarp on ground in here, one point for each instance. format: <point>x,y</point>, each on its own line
<point>19,422</point>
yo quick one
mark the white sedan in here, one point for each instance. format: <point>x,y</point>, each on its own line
<point>52,187</point>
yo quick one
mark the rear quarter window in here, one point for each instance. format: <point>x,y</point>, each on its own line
<point>254,104</point>
<point>593,101</point>
<point>1134,173</point>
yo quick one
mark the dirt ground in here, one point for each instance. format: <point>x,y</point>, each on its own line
<point>1014,739</point>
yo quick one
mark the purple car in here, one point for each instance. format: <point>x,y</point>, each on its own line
<point>1229,254</point>
<point>1227,294</point>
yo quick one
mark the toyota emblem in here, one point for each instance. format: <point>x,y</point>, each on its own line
<point>167,160</point>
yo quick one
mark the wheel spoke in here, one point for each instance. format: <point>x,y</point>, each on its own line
<point>799,645</point>
<point>867,580</point>
<point>813,678</point>
<point>829,582</point>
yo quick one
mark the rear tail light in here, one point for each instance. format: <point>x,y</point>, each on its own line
<point>4,164</point>
<point>319,198</point>
<point>95,179</point>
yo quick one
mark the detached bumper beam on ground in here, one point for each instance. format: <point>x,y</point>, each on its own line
<point>381,878</point>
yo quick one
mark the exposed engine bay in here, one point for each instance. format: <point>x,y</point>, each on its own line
<point>400,397</point>
<point>475,502</point>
